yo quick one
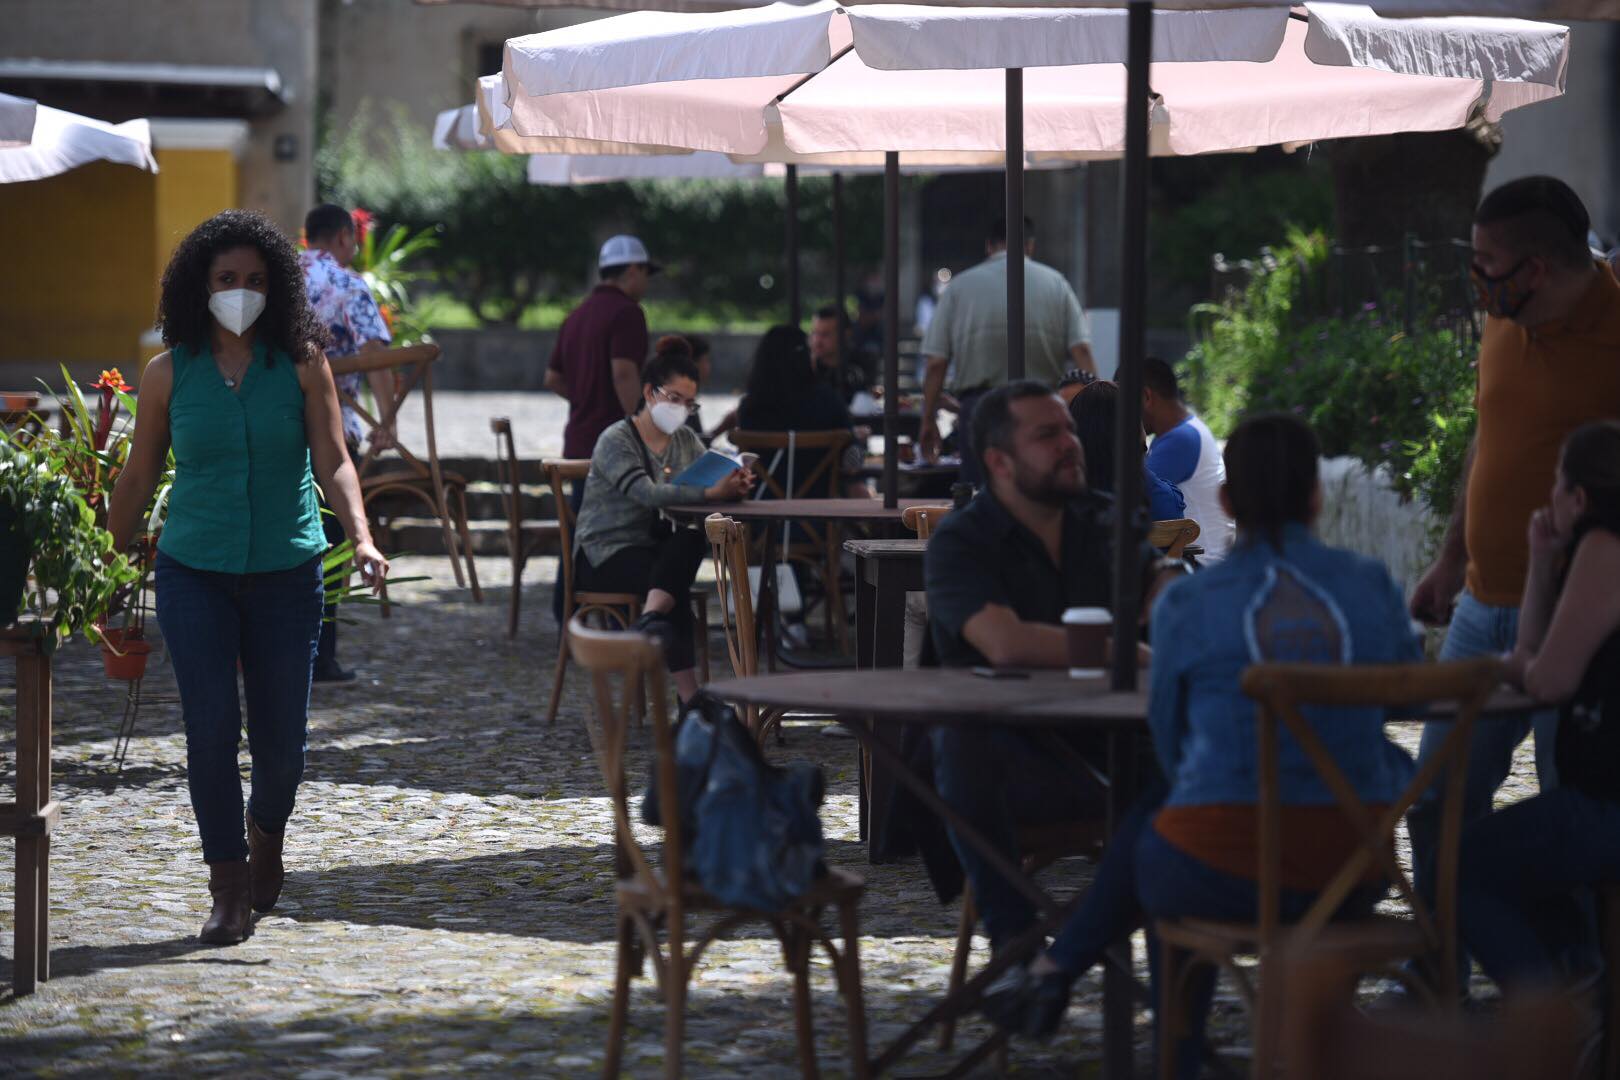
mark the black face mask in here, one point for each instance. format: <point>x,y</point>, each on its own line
<point>1498,296</point>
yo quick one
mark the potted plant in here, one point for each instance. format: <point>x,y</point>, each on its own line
<point>56,563</point>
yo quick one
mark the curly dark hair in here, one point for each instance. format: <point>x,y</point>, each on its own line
<point>287,325</point>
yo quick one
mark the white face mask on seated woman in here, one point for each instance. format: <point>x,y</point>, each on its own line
<point>668,417</point>
<point>236,309</point>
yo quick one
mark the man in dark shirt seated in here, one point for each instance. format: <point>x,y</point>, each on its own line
<point>1000,573</point>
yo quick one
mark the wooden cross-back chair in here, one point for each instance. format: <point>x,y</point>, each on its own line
<point>444,493</point>
<point>822,549</point>
<point>923,520</point>
<point>728,543</point>
<point>1172,537</point>
<point>656,892</point>
<point>1377,944</point>
<point>523,537</point>
<point>1326,1037</point>
<point>615,609</point>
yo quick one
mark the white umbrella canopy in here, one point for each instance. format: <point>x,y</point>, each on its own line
<point>869,78</point>
<point>63,141</point>
<point>1528,9</point>
<point>16,121</point>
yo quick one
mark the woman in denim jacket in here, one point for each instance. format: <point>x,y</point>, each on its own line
<point>1189,848</point>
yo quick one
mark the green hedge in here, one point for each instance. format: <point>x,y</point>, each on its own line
<point>1370,388</point>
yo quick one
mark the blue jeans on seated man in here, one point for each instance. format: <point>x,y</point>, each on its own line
<point>1519,881</point>
<point>1477,629</point>
<point>271,622</point>
<point>1144,877</point>
<point>1000,779</point>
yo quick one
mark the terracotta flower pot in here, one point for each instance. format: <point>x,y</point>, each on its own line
<point>123,655</point>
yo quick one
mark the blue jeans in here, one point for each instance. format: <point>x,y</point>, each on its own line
<point>1144,877</point>
<point>272,623</point>
<point>999,779</point>
<point>1517,879</point>
<point>1477,629</point>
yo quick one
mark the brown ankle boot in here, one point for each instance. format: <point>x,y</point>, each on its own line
<point>231,921</point>
<point>264,857</point>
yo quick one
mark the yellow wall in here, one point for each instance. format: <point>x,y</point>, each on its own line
<point>79,283</point>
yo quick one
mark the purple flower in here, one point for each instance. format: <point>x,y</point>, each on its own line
<point>1300,409</point>
<point>1369,306</point>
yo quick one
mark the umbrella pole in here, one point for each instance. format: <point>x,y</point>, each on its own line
<point>1015,224</point>
<point>891,329</point>
<point>838,258</point>
<point>1132,347</point>
<point>791,183</point>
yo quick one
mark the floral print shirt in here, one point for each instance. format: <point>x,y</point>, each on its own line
<point>345,306</point>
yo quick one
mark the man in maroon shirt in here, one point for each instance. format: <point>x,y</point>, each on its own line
<point>596,363</point>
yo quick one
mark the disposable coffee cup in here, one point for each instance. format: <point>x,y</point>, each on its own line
<point>1088,629</point>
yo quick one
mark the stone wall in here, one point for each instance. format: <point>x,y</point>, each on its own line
<point>1360,511</point>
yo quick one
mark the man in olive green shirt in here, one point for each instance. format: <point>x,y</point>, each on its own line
<point>968,336</point>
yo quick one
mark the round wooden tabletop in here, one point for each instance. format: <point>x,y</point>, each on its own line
<point>945,696</point>
<point>802,509</point>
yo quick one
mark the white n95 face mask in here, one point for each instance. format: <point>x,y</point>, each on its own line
<point>668,416</point>
<point>236,309</point>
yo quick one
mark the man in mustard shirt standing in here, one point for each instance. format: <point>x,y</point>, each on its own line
<point>1549,362</point>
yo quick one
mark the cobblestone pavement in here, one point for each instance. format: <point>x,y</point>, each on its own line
<point>448,908</point>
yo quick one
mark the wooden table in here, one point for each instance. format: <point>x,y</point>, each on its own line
<point>825,511</point>
<point>885,571</point>
<point>874,704</point>
<point>34,815</point>
<point>877,702</point>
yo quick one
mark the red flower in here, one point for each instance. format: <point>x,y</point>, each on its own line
<point>362,224</point>
<point>112,379</point>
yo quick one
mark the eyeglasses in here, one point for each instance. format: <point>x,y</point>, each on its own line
<point>673,398</point>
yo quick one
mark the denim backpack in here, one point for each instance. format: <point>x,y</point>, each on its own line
<point>752,830</point>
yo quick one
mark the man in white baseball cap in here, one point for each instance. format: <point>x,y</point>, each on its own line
<point>596,363</point>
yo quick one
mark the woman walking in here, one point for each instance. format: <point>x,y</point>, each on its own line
<point>245,399</point>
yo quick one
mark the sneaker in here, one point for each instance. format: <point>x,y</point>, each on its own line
<point>334,673</point>
<point>836,731</point>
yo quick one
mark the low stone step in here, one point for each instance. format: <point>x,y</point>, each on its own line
<point>424,536</point>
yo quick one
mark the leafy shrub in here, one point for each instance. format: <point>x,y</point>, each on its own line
<point>1370,388</point>
<point>505,246</point>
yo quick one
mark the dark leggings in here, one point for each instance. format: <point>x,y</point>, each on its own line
<point>671,565</point>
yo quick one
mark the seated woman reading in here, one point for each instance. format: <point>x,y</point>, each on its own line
<point>1192,850</point>
<point>1520,867</point>
<point>622,542</point>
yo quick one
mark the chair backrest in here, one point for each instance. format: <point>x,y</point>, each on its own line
<point>1280,690</point>
<point>1325,1036</point>
<point>506,467</point>
<point>728,543</point>
<point>820,482</point>
<point>559,473</point>
<point>419,360</point>
<point>922,520</point>
<point>1172,537</point>
<point>621,663</point>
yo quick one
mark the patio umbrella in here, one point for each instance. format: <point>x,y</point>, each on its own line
<point>866,78</point>
<point>16,121</point>
<point>63,141</point>
<point>1524,9</point>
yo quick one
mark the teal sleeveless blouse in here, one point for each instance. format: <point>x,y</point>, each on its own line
<point>243,500</point>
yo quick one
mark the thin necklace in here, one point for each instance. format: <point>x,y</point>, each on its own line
<point>232,379</point>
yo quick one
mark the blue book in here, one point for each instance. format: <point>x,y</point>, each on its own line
<point>708,470</point>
